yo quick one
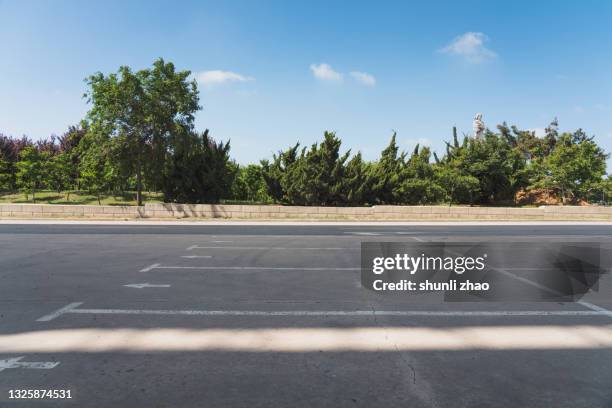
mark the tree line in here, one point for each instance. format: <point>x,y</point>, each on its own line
<point>139,135</point>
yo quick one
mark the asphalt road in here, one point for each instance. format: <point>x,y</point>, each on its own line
<point>274,316</point>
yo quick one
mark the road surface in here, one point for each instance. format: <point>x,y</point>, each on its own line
<point>274,316</point>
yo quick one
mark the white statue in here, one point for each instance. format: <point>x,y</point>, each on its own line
<point>479,126</point>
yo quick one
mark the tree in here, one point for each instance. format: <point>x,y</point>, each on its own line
<point>575,166</point>
<point>9,153</point>
<point>58,172</point>
<point>97,168</point>
<point>69,144</point>
<point>357,183</point>
<point>31,170</point>
<point>199,171</point>
<point>5,175</point>
<point>456,184</point>
<point>274,172</point>
<point>495,161</point>
<point>249,184</point>
<point>416,183</point>
<point>143,109</point>
<point>385,174</point>
<point>172,103</point>
<point>317,174</point>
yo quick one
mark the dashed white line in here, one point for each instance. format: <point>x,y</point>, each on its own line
<point>196,256</point>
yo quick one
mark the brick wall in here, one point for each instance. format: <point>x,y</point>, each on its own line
<point>387,212</point>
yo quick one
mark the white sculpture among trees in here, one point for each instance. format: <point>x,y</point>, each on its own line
<point>479,126</point>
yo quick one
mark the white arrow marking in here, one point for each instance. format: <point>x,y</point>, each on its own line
<point>145,285</point>
<point>196,256</point>
<point>38,365</point>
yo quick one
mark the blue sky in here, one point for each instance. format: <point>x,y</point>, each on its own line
<point>275,72</point>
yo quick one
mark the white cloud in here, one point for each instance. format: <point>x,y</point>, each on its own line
<point>325,72</point>
<point>470,46</point>
<point>363,78</point>
<point>220,77</point>
<point>578,109</point>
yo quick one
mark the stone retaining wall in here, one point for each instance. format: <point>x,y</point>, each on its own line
<point>70,211</point>
<point>385,212</point>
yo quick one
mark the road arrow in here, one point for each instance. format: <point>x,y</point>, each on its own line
<point>145,285</point>
<point>15,363</point>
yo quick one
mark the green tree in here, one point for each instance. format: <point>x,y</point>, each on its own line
<point>495,161</point>
<point>5,175</point>
<point>575,167</point>
<point>357,182</point>
<point>416,183</point>
<point>385,174</point>
<point>274,172</point>
<point>249,184</point>
<point>31,170</point>
<point>456,184</point>
<point>199,171</point>
<point>58,171</point>
<point>316,176</point>
<point>143,109</point>
<point>98,172</point>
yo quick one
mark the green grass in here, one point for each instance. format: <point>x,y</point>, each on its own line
<point>78,197</point>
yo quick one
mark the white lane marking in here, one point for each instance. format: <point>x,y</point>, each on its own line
<point>362,233</point>
<point>249,268</point>
<point>145,285</point>
<point>418,239</point>
<point>588,305</point>
<point>411,313</point>
<point>353,313</point>
<point>148,268</point>
<point>277,248</point>
<point>596,308</point>
<point>59,312</point>
<point>191,248</point>
<point>479,236</point>
<point>37,365</point>
<point>196,256</point>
